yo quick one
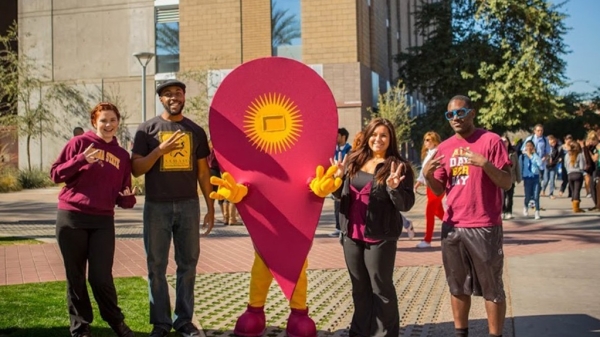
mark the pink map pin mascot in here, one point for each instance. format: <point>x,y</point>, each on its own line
<point>274,123</point>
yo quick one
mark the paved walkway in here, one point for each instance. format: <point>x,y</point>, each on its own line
<point>551,274</point>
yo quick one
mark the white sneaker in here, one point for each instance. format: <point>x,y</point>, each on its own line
<point>525,211</point>
<point>335,233</point>
<point>410,231</point>
<point>508,216</point>
<point>424,244</point>
<point>537,215</point>
<point>503,216</point>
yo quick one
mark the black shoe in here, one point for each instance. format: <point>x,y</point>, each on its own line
<point>83,331</point>
<point>189,330</point>
<point>122,330</point>
<point>158,332</point>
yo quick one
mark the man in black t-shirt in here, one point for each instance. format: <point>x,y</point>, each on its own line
<point>171,151</point>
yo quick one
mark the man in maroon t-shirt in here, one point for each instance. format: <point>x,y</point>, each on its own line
<point>472,168</point>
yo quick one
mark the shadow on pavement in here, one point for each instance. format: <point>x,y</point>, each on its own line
<point>571,325</point>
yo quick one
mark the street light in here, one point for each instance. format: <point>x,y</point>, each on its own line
<point>144,58</point>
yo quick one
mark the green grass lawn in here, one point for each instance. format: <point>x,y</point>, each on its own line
<point>40,309</point>
<point>10,240</point>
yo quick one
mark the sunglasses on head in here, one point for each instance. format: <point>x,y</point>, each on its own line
<point>460,113</point>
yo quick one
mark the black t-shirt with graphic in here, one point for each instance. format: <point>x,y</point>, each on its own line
<point>174,176</point>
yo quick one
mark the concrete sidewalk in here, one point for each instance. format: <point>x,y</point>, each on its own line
<point>551,272</point>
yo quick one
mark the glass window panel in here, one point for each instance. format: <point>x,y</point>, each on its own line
<point>167,39</point>
<point>286,29</point>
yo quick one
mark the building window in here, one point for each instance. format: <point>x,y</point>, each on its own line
<point>286,37</point>
<point>167,36</point>
<point>375,89</point>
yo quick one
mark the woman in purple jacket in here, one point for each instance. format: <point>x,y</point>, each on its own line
<point>97,175</point>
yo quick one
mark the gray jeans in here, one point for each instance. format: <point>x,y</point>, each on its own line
<point>162,221</point>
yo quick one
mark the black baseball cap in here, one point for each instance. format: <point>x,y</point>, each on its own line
<point>170,83</point>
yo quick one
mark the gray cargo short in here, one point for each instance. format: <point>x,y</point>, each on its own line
<point>473,261</point>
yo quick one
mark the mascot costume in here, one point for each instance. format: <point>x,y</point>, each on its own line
<point>274,124</point>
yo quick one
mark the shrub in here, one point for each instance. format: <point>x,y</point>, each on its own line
<point>34,178</point>
<point>9,180</point>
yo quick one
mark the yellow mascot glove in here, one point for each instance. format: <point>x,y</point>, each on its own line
<point>324,183</point>
<point>228,189</point>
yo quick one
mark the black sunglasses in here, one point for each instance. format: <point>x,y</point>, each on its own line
<point>460,113</point>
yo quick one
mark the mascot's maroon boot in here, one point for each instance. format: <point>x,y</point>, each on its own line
<point>300,325</point>
<point>252,322</point>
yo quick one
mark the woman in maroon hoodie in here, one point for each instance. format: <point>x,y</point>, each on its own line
<point>97,175</point>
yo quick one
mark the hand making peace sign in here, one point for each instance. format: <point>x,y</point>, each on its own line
<point>396,176</point>
<point>90,153</point>
<point>339,163</point>
<point>172,143</point>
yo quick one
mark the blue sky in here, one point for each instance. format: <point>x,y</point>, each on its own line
<point>583,39</point>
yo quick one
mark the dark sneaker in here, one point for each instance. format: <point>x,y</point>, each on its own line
<point>189,330</point>
<point>83,331</point>
<point>122,330</point>
<point>158,332</point>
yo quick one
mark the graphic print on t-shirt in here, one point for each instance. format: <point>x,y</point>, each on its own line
<point>179,159</point>
<point>459,169</point>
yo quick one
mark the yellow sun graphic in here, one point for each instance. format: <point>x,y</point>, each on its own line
<point>272,123</point>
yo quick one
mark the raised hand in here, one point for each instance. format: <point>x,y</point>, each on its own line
<point>228,189</point>
<point>339,164</point>
<point>325,183</point>
<point>474,158</point>
<point>432,165</point>
<point>127,192</point>
<point>172,143</point>
<point>90,153</point>
<point>396,176</point>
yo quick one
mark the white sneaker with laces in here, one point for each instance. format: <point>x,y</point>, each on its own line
<point>537,215</point>
<point>525,211</point>
<point>508,216</point>
<point>335,233</point>
<point>424,244</point>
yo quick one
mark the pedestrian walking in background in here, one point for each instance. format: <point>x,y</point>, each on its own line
<point>515,175</point>
<point>554,160</point>
<point>591,162</point>
<point>530,164</point>
<point>472,168</point>
<point>378,185</point>
<point>575,165</point>
<point>564,176</point>
<point>97,176</point>
<point>342,148</point>
<point>434,206</point>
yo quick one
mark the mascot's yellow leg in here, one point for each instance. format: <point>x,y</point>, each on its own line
<point>260,281</point>
<point>298,300</point>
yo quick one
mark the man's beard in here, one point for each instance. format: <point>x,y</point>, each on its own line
<point>173,113</point>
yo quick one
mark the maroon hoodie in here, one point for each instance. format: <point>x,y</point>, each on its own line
<point>93,188</point>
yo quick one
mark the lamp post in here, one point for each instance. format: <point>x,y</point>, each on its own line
<point>144,58</point>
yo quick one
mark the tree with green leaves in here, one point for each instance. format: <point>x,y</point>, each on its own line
<point>392,105</point>
<point>27,97</point>
<point>522,90</point>
<point>24,95</point>
<point>505,54</point>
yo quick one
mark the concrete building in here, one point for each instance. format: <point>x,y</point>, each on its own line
<point>90,43</point>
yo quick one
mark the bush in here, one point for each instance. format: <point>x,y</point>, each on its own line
<point>34,178</point>
<point>9,180</point>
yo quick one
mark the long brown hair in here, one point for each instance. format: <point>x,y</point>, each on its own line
<point>574,151</point>
<point>359,157</point>
<point>434,138</point>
